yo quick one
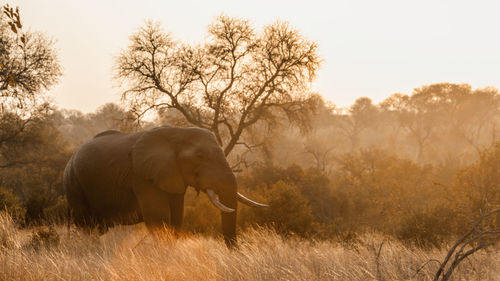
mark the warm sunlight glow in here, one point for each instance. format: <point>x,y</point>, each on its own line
<point>249,140</point>
<point>370,48</point>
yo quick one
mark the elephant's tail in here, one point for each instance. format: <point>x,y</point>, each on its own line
<point>69,222</point>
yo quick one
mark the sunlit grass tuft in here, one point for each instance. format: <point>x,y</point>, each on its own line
<point>8,232</point>
<point>130,253</point>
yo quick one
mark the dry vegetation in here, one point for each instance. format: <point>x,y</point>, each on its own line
<point>128,253</point>
<point>415,168</point>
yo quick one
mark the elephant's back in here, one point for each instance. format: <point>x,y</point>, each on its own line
<point>105,155</point>
<point>103,170</point>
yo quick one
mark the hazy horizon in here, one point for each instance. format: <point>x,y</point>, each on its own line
<point>369,49</point>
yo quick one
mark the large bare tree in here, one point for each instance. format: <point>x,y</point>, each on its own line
<point>226,84</point>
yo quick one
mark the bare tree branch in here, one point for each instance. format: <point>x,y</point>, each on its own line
<point>226,85</point>
<point>477,238</point>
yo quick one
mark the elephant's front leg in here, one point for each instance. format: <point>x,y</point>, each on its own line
<point>154,206</point>
<point>176,203</point>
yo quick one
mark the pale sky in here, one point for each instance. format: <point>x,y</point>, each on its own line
<point>371,48</point>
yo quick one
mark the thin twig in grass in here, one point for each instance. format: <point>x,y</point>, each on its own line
<point>379,273</point>
<point>140,241</point>
<point>422,267</point>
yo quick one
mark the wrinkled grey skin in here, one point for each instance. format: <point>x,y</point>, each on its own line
<point>119,178</point>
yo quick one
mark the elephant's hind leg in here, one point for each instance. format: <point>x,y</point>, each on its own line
<point>81,215</point>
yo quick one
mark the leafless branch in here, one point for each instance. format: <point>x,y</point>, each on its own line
<point>227,84</point>
<point>477,238</point>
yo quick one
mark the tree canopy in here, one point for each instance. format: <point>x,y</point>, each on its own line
<point>227,84</point>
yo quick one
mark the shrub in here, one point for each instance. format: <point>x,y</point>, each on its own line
<point>58,212</point>
<point>478,186</point>
<point>289,210</point>
<point>427,229</point>
<point>11,204</point>
<point>312,184</point>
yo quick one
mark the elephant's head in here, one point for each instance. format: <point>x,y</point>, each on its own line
<point>174,158</point>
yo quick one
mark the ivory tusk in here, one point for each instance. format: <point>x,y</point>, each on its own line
<point>249,202</point>
<point>219,205</point>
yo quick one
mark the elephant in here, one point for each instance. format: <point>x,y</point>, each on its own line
<point>127,178</point>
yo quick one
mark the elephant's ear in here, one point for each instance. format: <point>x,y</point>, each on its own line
<point>154,160</point>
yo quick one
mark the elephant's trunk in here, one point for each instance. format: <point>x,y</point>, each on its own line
<point>229,199</point>
<point>229,220</point>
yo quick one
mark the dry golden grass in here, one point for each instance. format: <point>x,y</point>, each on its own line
<point>129,253</point>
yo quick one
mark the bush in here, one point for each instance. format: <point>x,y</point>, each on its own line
<point>289,210</point>
<point>427,229</point>
<point>43,207</point>
<point>11,204</point>
<point>35,204</point>
<point>477,187</point>
<point>58,212</point>
<point>311,183</point>
<point>378,190</point>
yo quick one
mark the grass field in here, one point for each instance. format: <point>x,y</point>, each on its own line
<point>130,253</point>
